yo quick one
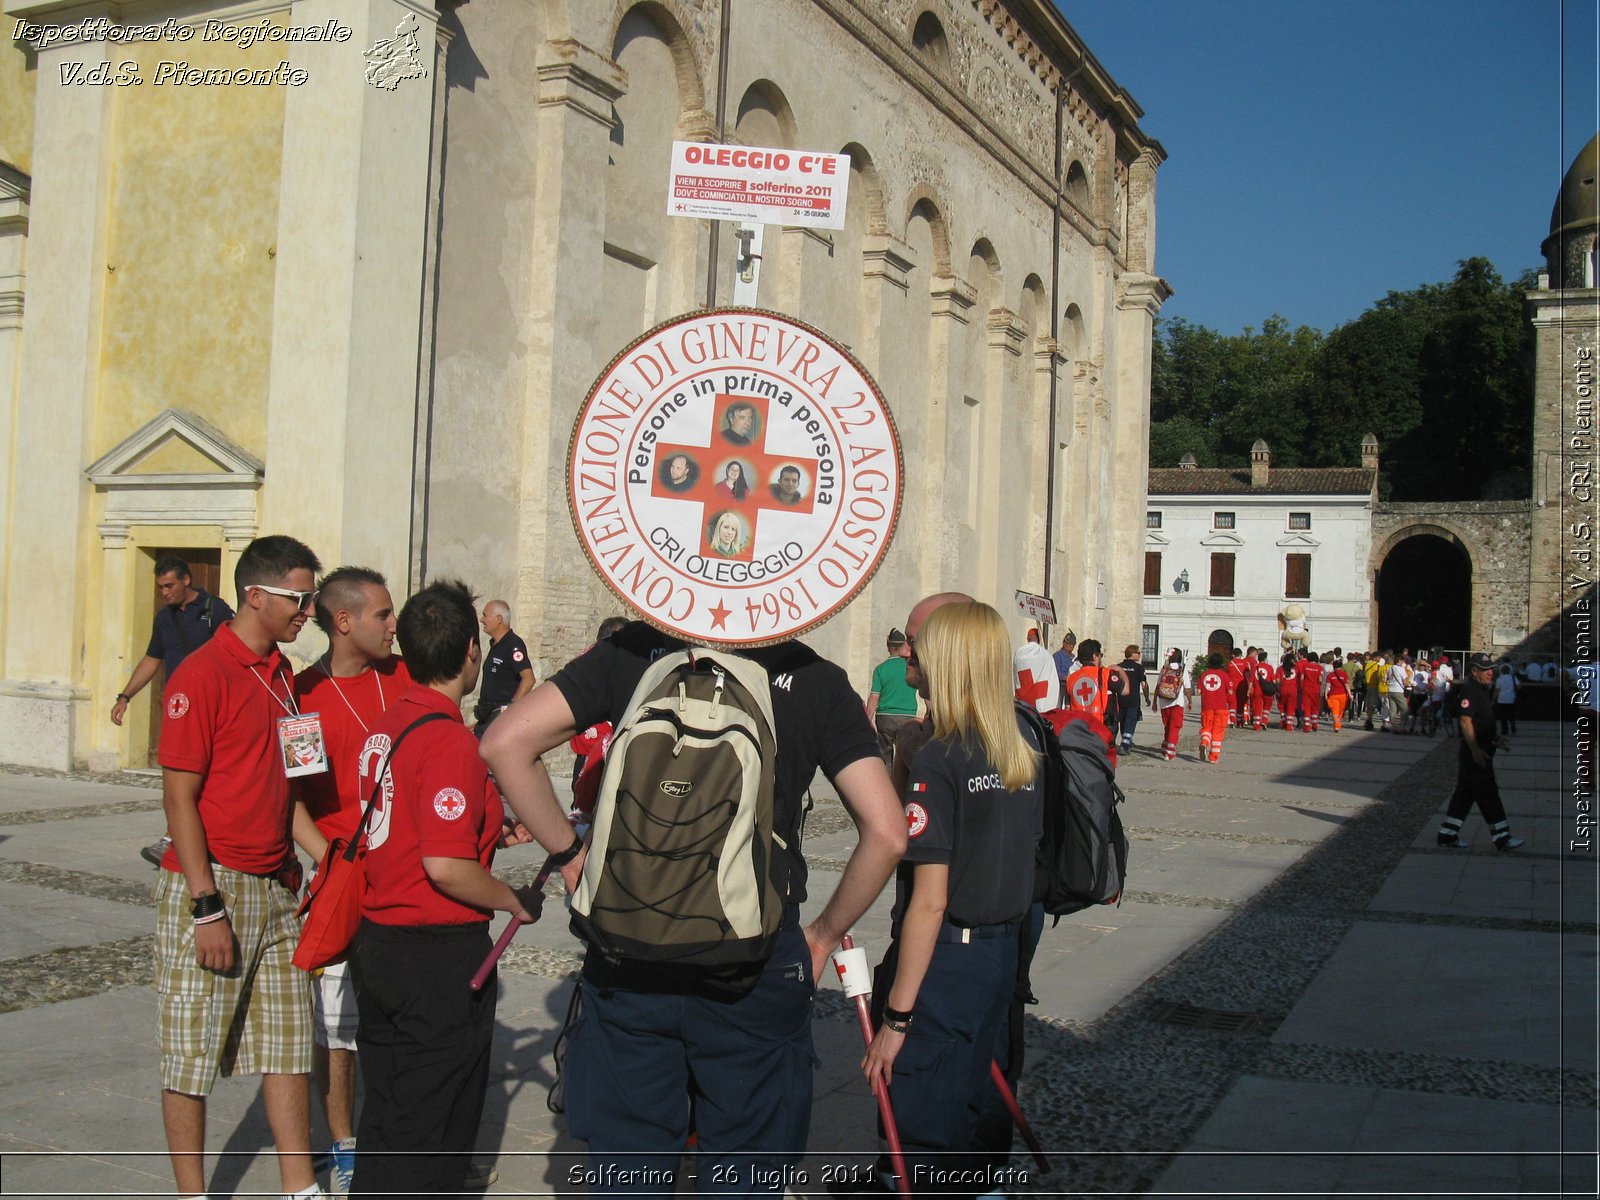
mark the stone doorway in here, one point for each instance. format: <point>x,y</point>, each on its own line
<point>1424,594</point>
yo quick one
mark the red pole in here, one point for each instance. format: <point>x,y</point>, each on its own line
<point>1010,1098</point>
<point>881,1091</point>
<point>510,931</point>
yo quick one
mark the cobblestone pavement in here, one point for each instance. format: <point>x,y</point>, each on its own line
<point>1298,995</point>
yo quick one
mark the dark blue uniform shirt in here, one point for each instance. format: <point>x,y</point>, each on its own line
<point>180,630</point>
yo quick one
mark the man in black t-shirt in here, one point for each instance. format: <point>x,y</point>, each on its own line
<point>1475,778</point>
<point>1128,714</point>
<point>647,1042</point>
<point>507,669</point>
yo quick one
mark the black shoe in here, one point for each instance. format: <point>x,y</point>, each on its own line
<point>1509,843</point>
<point>155,851</point>
<point>1454,843</point>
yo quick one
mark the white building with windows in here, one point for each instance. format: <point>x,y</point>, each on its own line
<point>1226,550</point>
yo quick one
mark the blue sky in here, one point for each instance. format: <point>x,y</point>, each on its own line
<point>1322,153</point>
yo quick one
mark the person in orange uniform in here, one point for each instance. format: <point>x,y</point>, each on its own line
<point>425,1035</point>
<point>1091,687</point>
<point>350,688</point>
<point>1311,672</point>
<point>1338,693</point>
<point>1216,702</point>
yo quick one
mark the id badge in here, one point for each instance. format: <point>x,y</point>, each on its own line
<point>300,740</point>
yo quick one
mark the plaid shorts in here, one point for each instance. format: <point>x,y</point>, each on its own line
<point>255,1020</point>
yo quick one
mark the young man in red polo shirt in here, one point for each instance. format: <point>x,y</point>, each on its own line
<point>424,1036</point>
<point>350,688</point>
<point>232,1000</point>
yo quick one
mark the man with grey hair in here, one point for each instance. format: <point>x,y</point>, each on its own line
<point>507,668</point>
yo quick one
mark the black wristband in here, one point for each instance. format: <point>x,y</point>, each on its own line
<point>124,696</point>
<point>895,1019</point>
<point>208,905</point>
<point>570,853</point>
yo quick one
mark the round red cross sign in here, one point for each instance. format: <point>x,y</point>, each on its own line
<point>735,477</point>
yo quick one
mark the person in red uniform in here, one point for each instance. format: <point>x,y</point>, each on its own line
<point>1311,674</point>
<point>1216,703</point>
<point>1289,691</point>
<point>350,688</point>
<point>231,999</point>
<point>425,1035</point>
<point>1238,687</point>
<point>1263,674</point>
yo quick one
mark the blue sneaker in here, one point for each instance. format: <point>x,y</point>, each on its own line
<point>342,1166</point>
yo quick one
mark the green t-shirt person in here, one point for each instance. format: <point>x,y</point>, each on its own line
<point>896,698</point>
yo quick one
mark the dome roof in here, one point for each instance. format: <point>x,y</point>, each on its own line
<point>1578,205</point>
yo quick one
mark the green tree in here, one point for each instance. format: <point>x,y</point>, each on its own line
<point>1441,374</point>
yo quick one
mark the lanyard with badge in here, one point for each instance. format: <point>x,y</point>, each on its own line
<point>300,744</point>
<point>383,702</point>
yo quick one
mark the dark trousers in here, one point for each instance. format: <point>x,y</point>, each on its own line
<point>1506,714</point>
<point>944,1098</point>
<point>889,724</point>
<point>424,1046</point>
<point>1128,718</point>
<point>636,1061</point>
<point>1476,785</point>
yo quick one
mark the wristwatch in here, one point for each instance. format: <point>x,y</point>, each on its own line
<point>124,697</point>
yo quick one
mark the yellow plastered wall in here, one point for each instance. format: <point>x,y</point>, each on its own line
<point>190,240</point>
<point>16,106</point>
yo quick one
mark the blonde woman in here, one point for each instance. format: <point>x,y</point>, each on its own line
<point>961,893</point>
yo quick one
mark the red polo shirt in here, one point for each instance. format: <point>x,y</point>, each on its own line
<point>350,711</point>
<point>440,804</point>
<point>221,705</point>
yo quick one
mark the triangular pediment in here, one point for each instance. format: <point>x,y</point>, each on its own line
<point>174,449</point>
<point>1153,538</point>
<point>1222,539</point>
<point>1299,539</point>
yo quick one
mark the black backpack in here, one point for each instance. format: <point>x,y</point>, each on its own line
<point>1452,703</point>
<point>1082,858</point>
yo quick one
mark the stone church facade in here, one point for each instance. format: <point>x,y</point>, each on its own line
<point>364,307</point>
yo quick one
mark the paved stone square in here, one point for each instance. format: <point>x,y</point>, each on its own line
<point>1414,1021</point>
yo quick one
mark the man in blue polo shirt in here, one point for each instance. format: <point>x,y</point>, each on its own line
<point>185,622</point>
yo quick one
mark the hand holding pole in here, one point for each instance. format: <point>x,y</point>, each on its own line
<point>858,989</point>
<point>509,932</point>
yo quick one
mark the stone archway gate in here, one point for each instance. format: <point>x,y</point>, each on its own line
<point>1497,536</point>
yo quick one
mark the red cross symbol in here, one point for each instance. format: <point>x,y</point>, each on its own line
<point>1084,692</point>
<point>1031,690</point>
<point>712,461</point>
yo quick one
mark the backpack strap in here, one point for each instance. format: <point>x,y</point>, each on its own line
<point>360,834</point>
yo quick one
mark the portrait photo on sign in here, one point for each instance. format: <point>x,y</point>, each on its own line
<point>740,423</point>
<point>679,472</point>
<point>788,484</point>
<point>733,480</point>
<point>727,535</point>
